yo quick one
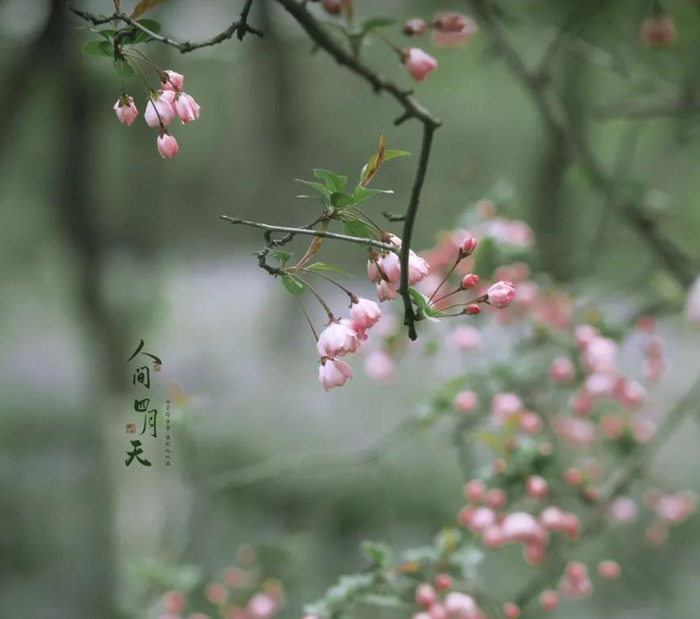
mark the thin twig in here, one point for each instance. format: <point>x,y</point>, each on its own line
<point>319,233</point>
<point>412,108</point>
<point>240,28</point>
<point>557,121</point>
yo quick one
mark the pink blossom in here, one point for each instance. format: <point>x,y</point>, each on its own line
<point>390,266</point>
<point>216,593</point>
<point>453,29</point>
<point>167,145</point>
<point>160,109</point>
<point>418,63</point>
<point>186,108</point>
<point>631,394</point>
<point>536,487</point>
<point>583,334</point>
<point>373,272</point>
<point>600,384</point>
<point>479,519</point>
<point>380,366</point>
<point>425,594</point>
<point>674,508</point>
<point>472,309</point>
<point>576,431</point>
<point>386,291</point>
<point>504,405</point>
<point>610,570</point>
<point>622,509</point>
<point>658,31</point>
<point>500,294</point>
<point>470,280</point>
<point>466,338</point>
<point>333,7</point>
<point>418,268</point>
<point>437,611</point>
<point>530,422</point>
<point>496,498</point>
<point>549,600</point>
<point>333,373</point>
<point>126,110</point>
<point>511,611</point>
<point>337,340</point>
<point>443,582</point>
<point>460,605</point>
<point>493,537</point>
<point>174,601</point>
<point>174,81</point>
<point>364,313</point>
<point>466,401</point>
<point>600,354</point>
<point>561,370</point>
<point>261,606</point>
<point>467,246</point>
<point>522,527</point>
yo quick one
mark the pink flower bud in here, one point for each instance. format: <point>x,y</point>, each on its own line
<point>610,570</point>
<point>504,406</point>
<point>561,370</point>
<point>453,29</point>
<point>332,373</point>
<point>186,108</point>
<point>600,355</point>
<point>622,509</point>
<point>549,600</point>
<point>443,582</point>
<point>261,606</point>
<point>451,22</point>
<point>333,7</point>
<point>337,340</point>
<point>466,338</point>
<point>469,281</point>
<point>373,272</point>
<point>216,593</point>
<point>174,81</point>
<point>167,145</point>
<point>414,27</point>
<point>418,63</point>
<point>364,314</point>
<point>534,554</point>
<point>235,576</point>
<point>500,294</point>
<point>174,601</point>
<point>496,498</point>
<point>511,611</point>
<point>386,291</point>
<point>493,537</point>
<point>466,401</point>
<point>530,422</point>
<point>575,431</point>
<point>467,246</point>
<point>437,611</point>
<point>160,109</point>
<point>460,605</point>
<point>472,309</point>
<point>658,31</point>
<point>425,594</point>
<point>522,527</point>
<point>474,490</point>
<point>126,110</point>
<point>380,366</point>
<point>536,487</point>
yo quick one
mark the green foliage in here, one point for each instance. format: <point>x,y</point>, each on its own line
<point>294,286</point>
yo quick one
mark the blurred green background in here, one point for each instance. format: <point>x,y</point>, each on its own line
<point>102,244</point>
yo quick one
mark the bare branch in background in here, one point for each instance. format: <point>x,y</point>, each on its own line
<point>556,119</point>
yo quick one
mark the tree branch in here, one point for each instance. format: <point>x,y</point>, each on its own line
<point>309,232</point>
<point>556,119</point>
<point>412,108</point>
<point>240,28</point>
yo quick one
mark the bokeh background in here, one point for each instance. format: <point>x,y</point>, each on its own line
<point>102,244</point>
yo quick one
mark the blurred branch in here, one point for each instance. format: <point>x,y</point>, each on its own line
<point>671,107</point>
<point>412,109</point>
<point>240,28</point>
<point>273,469</point>
<point>309,232</point>
<point>558,122</point>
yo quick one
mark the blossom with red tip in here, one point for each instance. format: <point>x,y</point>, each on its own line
<point>414,27</point>
<point>418,63</point>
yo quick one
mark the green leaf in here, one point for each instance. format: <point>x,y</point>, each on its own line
<point>394,153</point>
<point>362,193</point>
<point>98,48</point>
<point>334,182</point>
<point>149,24</point>
<point>282,256</point>
<point>322,266</point>
<point>341,200</point>
<point>357,228</point>
<point>293,285</point>
<point>122,68</point>
<point>376,22</point>
<point>317,186</point>
<point>378,553</point>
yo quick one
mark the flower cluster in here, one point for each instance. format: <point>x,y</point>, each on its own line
<point>241,593</point>
<point>163,106</point>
